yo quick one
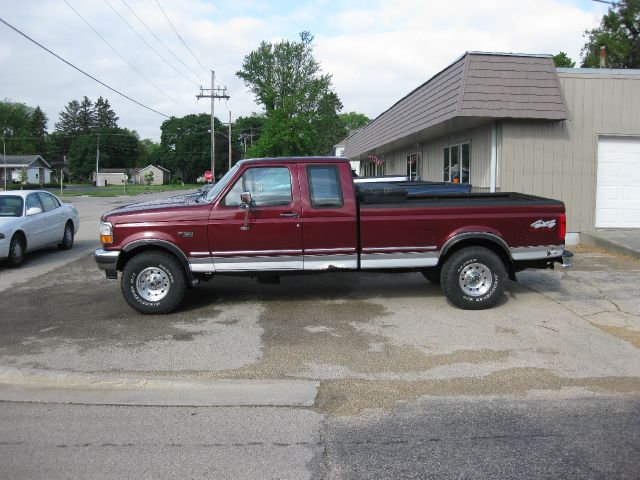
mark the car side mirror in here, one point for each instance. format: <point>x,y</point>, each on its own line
<point>245,204</point>
<point>245,200</point>
<point>33,211</point>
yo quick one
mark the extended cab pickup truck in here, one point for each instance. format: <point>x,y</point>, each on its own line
<point>269,217</point>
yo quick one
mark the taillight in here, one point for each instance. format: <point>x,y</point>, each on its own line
<point>562,227</point>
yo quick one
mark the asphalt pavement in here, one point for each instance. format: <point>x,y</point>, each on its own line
<point>330,376</point>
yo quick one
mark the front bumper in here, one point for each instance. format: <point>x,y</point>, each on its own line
<point>107,260</point>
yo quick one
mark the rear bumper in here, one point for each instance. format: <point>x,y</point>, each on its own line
<point>567,259</point>
<point>107,260</point>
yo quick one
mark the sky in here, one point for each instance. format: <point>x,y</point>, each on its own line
<point>376,51</point>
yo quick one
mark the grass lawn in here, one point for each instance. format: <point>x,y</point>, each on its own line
<point>116,190</point>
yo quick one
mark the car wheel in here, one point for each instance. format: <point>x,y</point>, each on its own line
<point>67,237</point>
<point>474,278</point>
<point>153,283</point>
<point>16,251</point>
<point>433,275</point>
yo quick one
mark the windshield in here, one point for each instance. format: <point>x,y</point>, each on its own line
<point>217,188</point>
<point>10,206</point>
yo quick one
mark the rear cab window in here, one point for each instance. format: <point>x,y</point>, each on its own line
<point>325,189</point>
<point>269,186</point>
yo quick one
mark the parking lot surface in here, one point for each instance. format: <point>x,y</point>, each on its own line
<point>378,345</point>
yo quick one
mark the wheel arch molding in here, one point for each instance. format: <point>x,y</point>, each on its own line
<point>138,246</point>
<point>480,239</point>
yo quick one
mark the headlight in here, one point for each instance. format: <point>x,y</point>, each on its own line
<point>106,233</point>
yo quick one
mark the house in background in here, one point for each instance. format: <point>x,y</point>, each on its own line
<point>111,176</point>
<point>513,122</point>
<point>160,175</point>
<point>37,168</point>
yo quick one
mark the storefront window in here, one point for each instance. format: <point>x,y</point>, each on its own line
<point>456,161</point>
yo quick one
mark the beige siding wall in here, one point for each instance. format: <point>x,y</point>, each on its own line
<point>432,154</point>
<point>157,176</point>
<point>559,160</point>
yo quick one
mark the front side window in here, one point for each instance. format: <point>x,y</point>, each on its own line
<point>269,186</point>
<point>324,186</point>
<point>33,202</point>
<point>456,163</point>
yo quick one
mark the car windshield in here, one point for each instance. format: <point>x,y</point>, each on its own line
<point>10,206</point>
<point>217,188</point>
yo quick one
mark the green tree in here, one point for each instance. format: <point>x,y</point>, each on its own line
<point>104,115</point>
<point>185,146</point>
<point>69,123</point>
<point>15,127</point>
<point>247,131</point>
<point>38,129</point>
<point>86,116</point>
<point>286,80</point>
<point>619,32</point>
<point>23,176</point>
<point>148,178</point>
<point>353,120</point>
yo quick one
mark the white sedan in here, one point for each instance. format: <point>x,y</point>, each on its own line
<point>34,219</point>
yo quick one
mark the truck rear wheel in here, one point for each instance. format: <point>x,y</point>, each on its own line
<point>153,283</point>
<point>474,278</point>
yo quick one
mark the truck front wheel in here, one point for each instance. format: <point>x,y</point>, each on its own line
<point>474,278</point>
<point>153,283</point>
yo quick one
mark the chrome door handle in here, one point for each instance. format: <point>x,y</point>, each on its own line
<point>289,215</point>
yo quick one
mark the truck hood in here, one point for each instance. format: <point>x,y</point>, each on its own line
<point>166,203</point>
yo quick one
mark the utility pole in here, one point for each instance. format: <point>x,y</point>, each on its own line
<point>213,94</point>
<point>229,139</point>
<point>4,156</point>
<point>97,158</point>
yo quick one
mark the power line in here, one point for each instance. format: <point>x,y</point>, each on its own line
<point>180,37</point>
<point>148,45</point>
<point>151,82</point>
<point>160,41</point>
<point>80,70</point>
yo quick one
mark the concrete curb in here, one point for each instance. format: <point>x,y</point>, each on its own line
<point>40,386</point>
<point>601,241</point>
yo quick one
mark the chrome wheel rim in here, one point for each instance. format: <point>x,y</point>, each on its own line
<point>153,284</point>
<point>475,279</point>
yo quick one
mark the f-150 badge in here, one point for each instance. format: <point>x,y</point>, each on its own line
<point>543,224</point>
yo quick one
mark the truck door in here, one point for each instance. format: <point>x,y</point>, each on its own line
<point>271,240</point>
<point>329,216</point>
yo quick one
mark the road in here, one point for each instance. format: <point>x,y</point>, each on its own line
<point>380,376</point>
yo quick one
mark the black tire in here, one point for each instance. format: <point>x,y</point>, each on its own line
<point>16,251</point>
<point>474,278</point>
<point>153,283</point>
<point>67,237</point>
<point>433,275</point>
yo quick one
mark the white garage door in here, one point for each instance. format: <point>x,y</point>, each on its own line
<point>618,194</point>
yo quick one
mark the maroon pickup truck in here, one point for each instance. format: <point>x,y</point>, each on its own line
<point>270,217</point>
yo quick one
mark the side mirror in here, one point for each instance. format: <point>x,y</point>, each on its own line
<point>33,211</point>
<point>245,200</point>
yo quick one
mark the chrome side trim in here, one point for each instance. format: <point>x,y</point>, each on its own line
<point>329,262</point>
<point>398,260</point>
<point>311,251</point>
<point>202,265</point>
<point>537,253</point>
<point>258,263</point>
<point>398,249</point>
<point>239,253</point>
